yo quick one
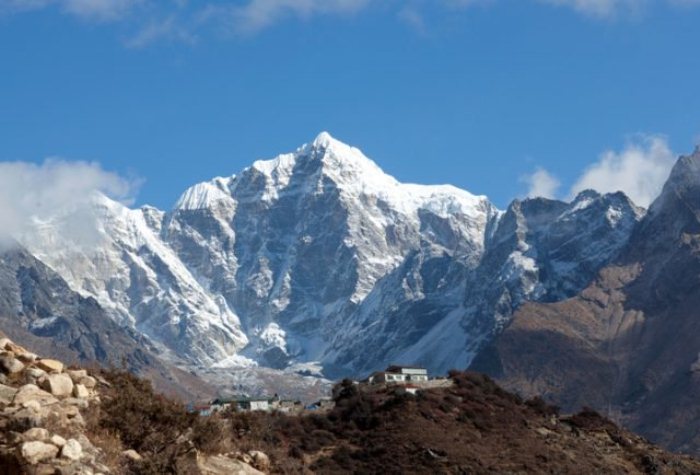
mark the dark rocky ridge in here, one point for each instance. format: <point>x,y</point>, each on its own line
<point>628,344</point>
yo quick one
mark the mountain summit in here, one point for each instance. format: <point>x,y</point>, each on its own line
<point>318,261</point>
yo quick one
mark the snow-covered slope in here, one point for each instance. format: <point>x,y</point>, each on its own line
<point>317,259</point>
<point>116,255</point>
<point>297,244</point>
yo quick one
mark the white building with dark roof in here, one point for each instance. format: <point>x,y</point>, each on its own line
<point>399,375</point>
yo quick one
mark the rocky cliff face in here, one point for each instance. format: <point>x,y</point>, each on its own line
<point>38,308</point>
<point>118,258</point>
<point>319,261</point>
<point>627,344</point>
<point>301,245</point>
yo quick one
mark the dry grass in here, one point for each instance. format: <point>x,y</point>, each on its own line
<point>472,427</point>
<point>133,416</point>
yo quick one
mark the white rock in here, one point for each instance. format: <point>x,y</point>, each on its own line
<point>30,392</point>
<point>7,393</point>
<point>80,391</point>
<point>88,381</point>
<point>72,450</point>
<point>27,357</point>
<point>4,342</point>
<point>28,418</point>
<point>49,365</point>
<point>32,405</point>
<point>10,364</point>
<point>36,433</point>
<point>260,460</point>
<point>221,465</point>
<point>77,402</point>
<point>76,374</point>
<point>36,451</point>
<point>16,349</point>
<point>131,454</point>
<point>58,441</point>
<point>77,420</point>
<point>34,373</point>
<point>60,385</point>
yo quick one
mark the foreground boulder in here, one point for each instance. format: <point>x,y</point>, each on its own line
<point>60,385</point>
<point>49,365</point>
<point>36,451</point>
<point>222,465</point>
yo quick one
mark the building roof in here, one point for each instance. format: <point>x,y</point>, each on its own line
<point>394,368</point>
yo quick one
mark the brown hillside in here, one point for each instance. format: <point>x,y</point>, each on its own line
<point>628,344</point>
<point>472,427</point>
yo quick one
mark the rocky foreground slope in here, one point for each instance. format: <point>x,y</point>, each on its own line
<point>60,421</point>
<point>42,421</point>
<point>57,420</point>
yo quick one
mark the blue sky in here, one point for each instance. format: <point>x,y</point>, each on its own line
<point>498,97</point>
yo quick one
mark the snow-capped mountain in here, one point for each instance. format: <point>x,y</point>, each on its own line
<point>38,308</point>
<point>440,311</point>
<point>297,244</point>
<point>116,255</point>
<point>318,259</point>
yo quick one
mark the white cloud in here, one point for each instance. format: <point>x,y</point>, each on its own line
<point>97,10</point>
<point>168,29</point>
<point>685,3</point>
<point>541,183</point>
<point>413,18</point>
<point>257,15</point>
<point>600,8</point>
<point>100,10</point>
<point>13,6</point>
<point>153,19</point>
<point>639,170</point>
<point>31,192</point>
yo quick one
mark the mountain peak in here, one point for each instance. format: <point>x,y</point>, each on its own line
<point>680,194</point>
<point>587,194</point>
<point>203,195</point>
<point>326,144</point>
<point>324,140</point>
<point>685,175</point>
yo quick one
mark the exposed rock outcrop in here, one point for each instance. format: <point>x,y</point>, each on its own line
<point>628,344</point>
<point>44,429</point>
<point>41,420</point>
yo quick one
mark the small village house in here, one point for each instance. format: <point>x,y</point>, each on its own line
<point>241,403</point>
<point>399,375</point>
